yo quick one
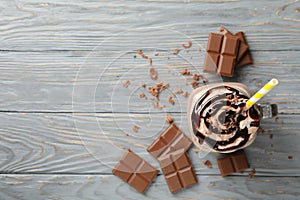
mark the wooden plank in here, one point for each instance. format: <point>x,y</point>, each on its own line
<point>93,143</point>
<point>110,187</point>
<point>75,25</point>
<point>47,81</point>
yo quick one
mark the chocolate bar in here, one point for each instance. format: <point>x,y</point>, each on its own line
<point>170,140</point>
<point>135,171</point>
<point>235,162</point>
<point>222,51</point>
<point>177,170</point>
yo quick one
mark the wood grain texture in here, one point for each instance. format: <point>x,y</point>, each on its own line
<point>88,143</point>
<point>54,81</point>
<point>66,119</point>
<point>75,25</point>
<point>96,187</point>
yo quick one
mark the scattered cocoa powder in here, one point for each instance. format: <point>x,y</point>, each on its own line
<point>126,83</point>
<point>208,163</point>
<point>187,46</point>
<point>169,119</point>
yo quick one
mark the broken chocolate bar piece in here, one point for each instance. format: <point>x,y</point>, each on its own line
<point>246,58</point>
<point>170,140</point>
<point>177,170</point>
<point>222,51</point>
<point>235,162</point>
<point>243,48</point>
<point>135,171</point>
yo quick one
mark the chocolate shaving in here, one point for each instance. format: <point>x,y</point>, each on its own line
<point>140,52</point>
<point>208,163</point>
<point>185,94</point>
<point>194,84</point>
<point>171,100</point>
<point>271,136</point>
<point>153,74</point>
<point>187,46</point>
<point>126,83</point>
<point>175,51</point>
<point>156,89</point>
<point>169,119</point>
<point>251,174</point>
<point>135,128</point>
<point>185,72</point>
<point>142,95</point>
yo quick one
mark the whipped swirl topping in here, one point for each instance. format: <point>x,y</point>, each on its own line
<point>219,121</point>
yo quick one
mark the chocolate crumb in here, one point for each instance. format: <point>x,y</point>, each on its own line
<point>175,51</point>
<point>185,94</point>
<point>196,77</point>
<point>150,62</point>
<point>126,134</point>
<point>185,72</point>
<point>151,99</point>
<point>153,74</point>
<point>169,119</point>
<point>271,136</point>
<point>251,174</point>
<point>276,118</point>
<point>135,128</point>
<point>171,100</point>
<point>142,95</point>
<point>290,157</point>
<point>143,85</point>
<point>262,130</point>
<point>187,46</point>
<point>134,56</point>
<point>126,83</point>
<point>156,54</point>
<point>208,163</point>
<point>140,52</point>
<point>194,84</point>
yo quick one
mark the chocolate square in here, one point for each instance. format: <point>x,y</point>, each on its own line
<point>135,171</point>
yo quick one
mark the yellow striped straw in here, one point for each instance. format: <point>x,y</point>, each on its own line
<point>261,93</point>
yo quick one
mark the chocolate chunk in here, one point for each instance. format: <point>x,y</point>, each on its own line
<point>177,170</point>
<point>221,54</point>
<point>170,140</point>
<point>239,160</point>
<point>135,171</point>
<point>235,162</point>
<point>243,48</point>
<point>246,58</point>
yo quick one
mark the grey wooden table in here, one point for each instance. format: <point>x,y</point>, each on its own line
<point>66,119</point>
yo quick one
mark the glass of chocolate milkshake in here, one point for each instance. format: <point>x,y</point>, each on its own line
<point>218,120</point>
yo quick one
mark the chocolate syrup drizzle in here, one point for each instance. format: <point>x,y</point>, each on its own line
<point>222,115</point>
